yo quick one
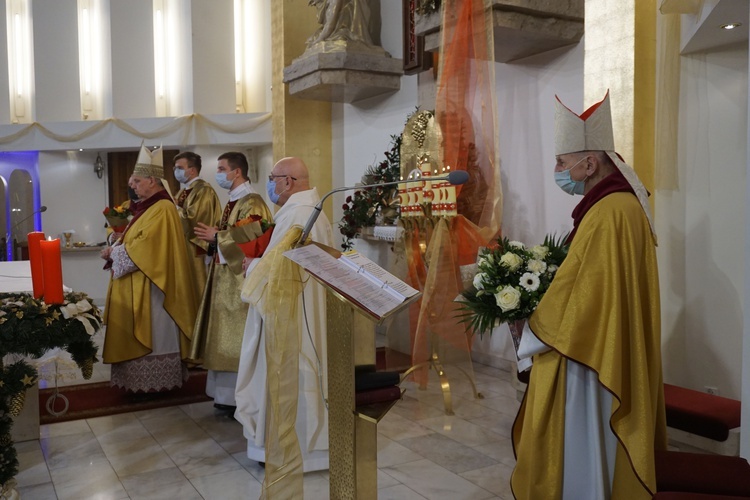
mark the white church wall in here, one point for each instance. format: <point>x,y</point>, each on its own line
<point>702,262</point>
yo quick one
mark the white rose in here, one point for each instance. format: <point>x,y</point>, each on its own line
<point>539,251</point>
<point>516,244</point>
<point>478,281</point>
<point>511,260</point>
<point>552,269</point>
<point>536,266</point>
<point>508,298</point>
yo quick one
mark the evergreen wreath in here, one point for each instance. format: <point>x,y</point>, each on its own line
<point>31,327</point>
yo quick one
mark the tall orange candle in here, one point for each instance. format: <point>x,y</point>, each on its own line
<point>52,269</point>
<point>35,258</point>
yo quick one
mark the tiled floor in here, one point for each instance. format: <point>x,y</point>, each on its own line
<point>194,451</point>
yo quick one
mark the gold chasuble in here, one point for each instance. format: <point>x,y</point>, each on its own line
<point>601,311</point>
<point>217,337</point>
<point>198,203</point>
<point>155,244</point>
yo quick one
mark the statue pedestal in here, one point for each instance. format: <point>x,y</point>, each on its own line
<point>337,74</point>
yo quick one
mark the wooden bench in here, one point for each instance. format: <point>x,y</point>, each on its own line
<point>698,421</point>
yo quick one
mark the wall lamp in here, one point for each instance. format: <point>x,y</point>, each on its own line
<point>99,166</point>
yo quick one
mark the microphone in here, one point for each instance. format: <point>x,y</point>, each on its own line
<point>455,177</point>
<point>41,209</point>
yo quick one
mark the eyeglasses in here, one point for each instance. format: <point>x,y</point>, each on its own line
<point>272,177</point>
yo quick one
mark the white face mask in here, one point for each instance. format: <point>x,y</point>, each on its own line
<point>567,184</point>
<point>221,180</point>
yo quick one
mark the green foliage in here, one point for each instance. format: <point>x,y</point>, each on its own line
<point>361,208</point>
<point>510,282</point>
<point>30,327</point>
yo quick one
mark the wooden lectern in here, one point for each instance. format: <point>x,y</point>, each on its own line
<point>352,429</point>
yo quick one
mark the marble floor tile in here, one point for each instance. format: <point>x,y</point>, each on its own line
<point>64,429</point>
<point>96,480</point>
<point>461,430</point>
<point>234,484</point>
<point>397,427</point>
<point>136,456</point>
<point>72,450</point>
<point>116,428</point>
<point>436,483</point>
<point>201,457</point>
<point>193,452</point>
<point>44,491</point>
<point>391,453</point>
<point>399,492</point>
<point>447,453</point>
<point>32,467</point>
<point>495,478</point>
<point>500,451</point>
<point>166,484</point>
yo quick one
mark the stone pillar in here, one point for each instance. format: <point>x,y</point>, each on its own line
<point>300,127</point>
<point>620,56</point>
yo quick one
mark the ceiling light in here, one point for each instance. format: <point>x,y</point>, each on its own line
<point>730,26</point>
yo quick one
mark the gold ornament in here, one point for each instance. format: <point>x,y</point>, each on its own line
<point>88,368</point>
<point>28,380</point>
<point>55,314</point>
<point>16,403</point>
<point>19,314</point>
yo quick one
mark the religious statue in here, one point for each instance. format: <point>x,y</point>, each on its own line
<point>342,20</point>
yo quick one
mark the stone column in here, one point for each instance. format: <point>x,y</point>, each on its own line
<point>300,127</point>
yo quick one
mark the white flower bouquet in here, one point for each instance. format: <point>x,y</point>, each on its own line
<point>511,279</point>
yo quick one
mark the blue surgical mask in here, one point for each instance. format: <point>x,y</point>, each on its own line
<point>180,175</point>
<point>271,191</point>
<point>567,184</point>
<point>221,180</point>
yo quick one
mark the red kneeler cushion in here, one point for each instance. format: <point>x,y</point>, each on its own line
<point>680,495</point>
<point>702,473</point>
<point>702,414</point>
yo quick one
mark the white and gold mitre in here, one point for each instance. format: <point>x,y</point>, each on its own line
<point>591,131</point>
<point>149,164</point>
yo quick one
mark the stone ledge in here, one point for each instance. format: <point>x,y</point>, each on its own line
<point>343,76</point>
<point>521,28</point>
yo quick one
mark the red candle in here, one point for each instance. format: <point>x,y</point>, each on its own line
<point>35,257</point>
<point>52,271</point>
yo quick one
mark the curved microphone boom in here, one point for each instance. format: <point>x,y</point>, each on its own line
<point>41,209</point>
<point>455,177</point>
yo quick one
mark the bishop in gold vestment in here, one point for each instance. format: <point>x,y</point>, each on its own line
<point>593,413</point>
<point>152,301</point>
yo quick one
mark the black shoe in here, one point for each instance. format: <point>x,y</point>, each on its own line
<point>226,408</point>
<point>262,465</point>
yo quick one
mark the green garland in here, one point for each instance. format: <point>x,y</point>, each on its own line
<point>30,327</point>
<point>361,208</point>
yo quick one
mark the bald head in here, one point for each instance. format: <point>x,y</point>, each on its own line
<point>291,177</point>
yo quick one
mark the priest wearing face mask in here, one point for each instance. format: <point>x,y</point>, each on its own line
<point>217,336</point>
<point>593,413</point>
<point>196,203</point>
<point>305,315</point>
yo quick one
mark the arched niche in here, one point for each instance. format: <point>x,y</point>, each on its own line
<point>21,203</point>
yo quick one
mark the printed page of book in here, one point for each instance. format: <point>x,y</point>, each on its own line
<point>362,264</point>
<point>340,276</point>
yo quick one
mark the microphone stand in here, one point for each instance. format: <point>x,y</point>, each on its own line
<point>41,209</point>
<point>455,177</point>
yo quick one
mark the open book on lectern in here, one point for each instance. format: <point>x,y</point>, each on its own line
<point>356,278</point>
